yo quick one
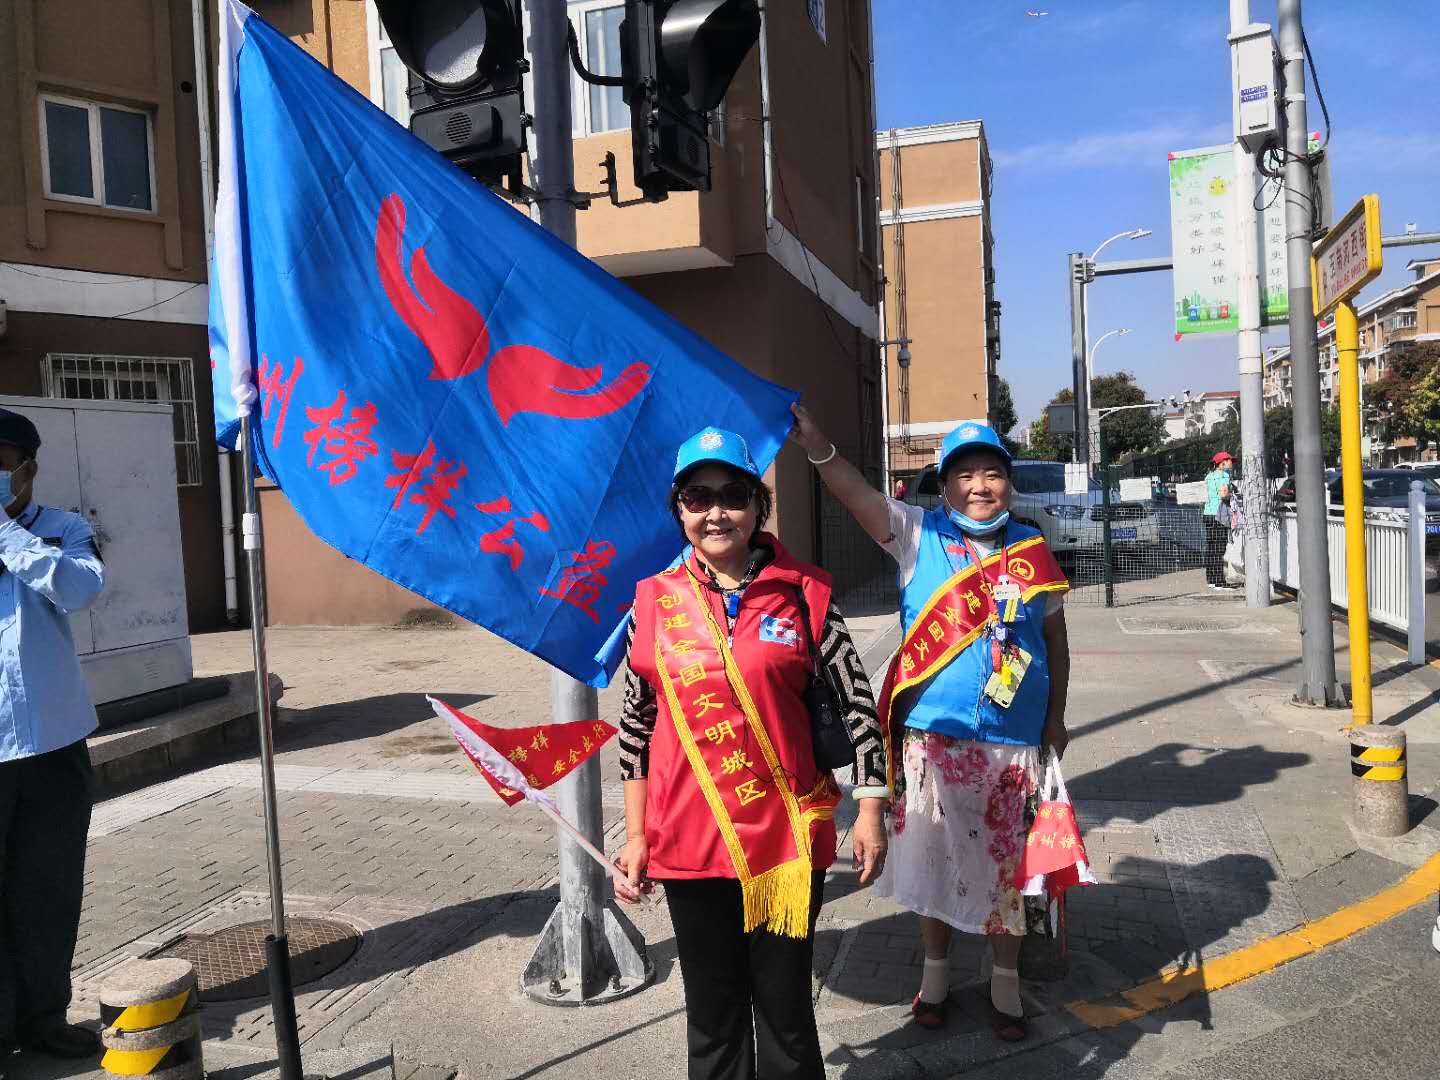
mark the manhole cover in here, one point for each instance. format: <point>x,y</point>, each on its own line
<point>230,963</point>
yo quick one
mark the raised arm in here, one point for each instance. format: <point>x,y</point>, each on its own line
<point>867,505</point>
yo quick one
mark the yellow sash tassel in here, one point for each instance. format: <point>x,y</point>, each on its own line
<point>779,899</point>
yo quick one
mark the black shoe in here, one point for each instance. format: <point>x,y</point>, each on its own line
<point>6,1050</point>
<point>66,1041</point>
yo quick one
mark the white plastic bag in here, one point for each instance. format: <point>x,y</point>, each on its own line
<point>1235,559</point>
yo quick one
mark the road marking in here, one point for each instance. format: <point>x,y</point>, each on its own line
<point>1173,986</point>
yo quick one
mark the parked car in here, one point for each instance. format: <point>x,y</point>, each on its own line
<point>1070,522</point>
<point>1384,489</point>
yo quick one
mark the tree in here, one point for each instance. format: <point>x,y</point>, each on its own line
<point>1134,430</point>
<point>1046,445</point>
<point>1003,416</point>
<point>1407,399</point>
<point>1280,438</point>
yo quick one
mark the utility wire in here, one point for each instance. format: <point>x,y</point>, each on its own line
<point>148,307</point>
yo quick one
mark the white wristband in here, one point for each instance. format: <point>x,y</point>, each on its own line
<point>826,459</point>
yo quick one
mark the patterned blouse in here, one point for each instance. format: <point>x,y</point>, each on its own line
<point>846,674</point>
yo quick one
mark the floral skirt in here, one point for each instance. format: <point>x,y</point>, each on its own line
<point>958,829</point>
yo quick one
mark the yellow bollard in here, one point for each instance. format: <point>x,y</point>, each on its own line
<point>151,1027</point>
<point>1357,585</point>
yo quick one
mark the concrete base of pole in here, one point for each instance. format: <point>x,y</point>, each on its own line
<point>613,962</point>
<point>1381,790</point>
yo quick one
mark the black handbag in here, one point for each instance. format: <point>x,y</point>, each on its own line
<point>828,732</point>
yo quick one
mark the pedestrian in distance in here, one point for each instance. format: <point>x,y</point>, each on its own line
<point>49,567</point>
<point>975,697</point>
<point>1216,517</point>
<point>724,801</point>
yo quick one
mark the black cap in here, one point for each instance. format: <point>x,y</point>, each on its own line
<point>18,431</point>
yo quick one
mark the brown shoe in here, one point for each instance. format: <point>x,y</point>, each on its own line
<point>1007,1028</point>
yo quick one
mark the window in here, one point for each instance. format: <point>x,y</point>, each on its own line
<point>98,154</point>
<point>816,11</point>
<point>163,380</point>
<point>598,108</point>
<point>1402,320</point>
<point>394,81</point>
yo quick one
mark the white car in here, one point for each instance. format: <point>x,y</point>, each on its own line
<point>1070,522</point>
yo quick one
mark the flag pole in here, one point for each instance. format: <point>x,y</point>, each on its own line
<point>277,946</point>
<point>589,952</point>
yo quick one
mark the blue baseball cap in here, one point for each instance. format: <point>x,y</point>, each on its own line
<point>715,445</point>
<point>971,435</point>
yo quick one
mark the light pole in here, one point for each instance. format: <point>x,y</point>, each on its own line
<point>1086,275</point>
<point>1094,414</point>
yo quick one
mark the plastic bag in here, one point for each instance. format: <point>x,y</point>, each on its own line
<point>1235,559</point>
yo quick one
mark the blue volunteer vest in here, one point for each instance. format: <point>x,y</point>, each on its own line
<point>953,702</point>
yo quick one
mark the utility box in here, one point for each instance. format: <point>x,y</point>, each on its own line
<point>1256,86</point>
<point>113,462</point>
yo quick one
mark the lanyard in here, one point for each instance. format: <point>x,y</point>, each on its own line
<point>975,556</point>
<point>998,634</point>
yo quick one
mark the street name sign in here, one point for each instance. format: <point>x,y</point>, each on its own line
<point>1349,257</point>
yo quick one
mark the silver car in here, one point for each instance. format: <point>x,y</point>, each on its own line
<point>1071,522</point>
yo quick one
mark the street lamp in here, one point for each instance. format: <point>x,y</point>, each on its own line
<point>1087,272</point>
<point>1090,358</point>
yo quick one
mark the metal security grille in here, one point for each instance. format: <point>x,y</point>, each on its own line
<point>160,379</point>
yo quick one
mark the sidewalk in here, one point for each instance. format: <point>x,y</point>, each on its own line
<point>1214,811</point>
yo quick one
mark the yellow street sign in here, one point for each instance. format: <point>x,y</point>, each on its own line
<point>1349,256</point>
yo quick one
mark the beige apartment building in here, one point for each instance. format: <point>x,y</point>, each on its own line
<point>1392,321</point>
<point>102,233</point>
<point>939,302</point>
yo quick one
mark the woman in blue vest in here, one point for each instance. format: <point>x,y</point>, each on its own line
<point>979,703</point>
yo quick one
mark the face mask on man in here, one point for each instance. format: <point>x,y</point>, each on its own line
<point>7,486</point>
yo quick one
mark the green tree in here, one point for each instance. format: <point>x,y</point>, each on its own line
<point>1134,430</point>
<point>1002,408</point>
<point>1407,399</point>
<point>1280,439</point>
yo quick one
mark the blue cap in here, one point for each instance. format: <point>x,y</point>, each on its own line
<point>715,445</point>
<point>972,435</point>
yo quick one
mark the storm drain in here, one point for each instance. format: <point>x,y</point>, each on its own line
<point>230,963</point>
<point>1142,625</point>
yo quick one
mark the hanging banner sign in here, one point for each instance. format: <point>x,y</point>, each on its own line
<point>1202,240</point>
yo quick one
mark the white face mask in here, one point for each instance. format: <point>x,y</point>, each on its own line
<point>7,489</point>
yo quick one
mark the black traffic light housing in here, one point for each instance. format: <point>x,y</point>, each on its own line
<point>466,60</point>
<point>679,57</point>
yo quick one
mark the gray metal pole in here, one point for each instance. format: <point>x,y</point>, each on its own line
<point>1254,491</point>
<point>1317,684</point>
<point>589,952</point>
<point>1417,572</point>
<point>1075,268</point>
<point>277,947</point>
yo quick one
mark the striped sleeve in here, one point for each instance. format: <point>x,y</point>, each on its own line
<point>637,718</point>
<point>852,685</point>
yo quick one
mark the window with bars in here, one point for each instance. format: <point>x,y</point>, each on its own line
<point>160,379</point>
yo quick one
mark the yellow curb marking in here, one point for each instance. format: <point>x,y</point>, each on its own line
<point>1170,987</point>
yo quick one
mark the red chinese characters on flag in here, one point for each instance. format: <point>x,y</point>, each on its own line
<point>273,385</point>
<point>502,541</point>
<point>346,443</point>
<point>544,753</point>
<point>434,494</point>
<point>580,582</point>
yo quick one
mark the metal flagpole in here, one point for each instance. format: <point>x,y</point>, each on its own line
<point>589,952</point>
<point>277,946</point>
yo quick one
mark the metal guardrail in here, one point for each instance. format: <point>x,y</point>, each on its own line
<point>1387,562</point>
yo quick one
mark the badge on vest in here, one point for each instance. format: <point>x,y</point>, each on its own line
<point>1002,684</point>
<point>778,631</point>
<point>1008,601</point>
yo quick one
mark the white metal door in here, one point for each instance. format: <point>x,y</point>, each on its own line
<point>126,458</point>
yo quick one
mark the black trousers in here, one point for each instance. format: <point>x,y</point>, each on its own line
<point>44,818</point>
<point>1216,537</point>
<point>747,996</point>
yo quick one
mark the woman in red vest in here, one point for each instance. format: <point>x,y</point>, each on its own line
<point>724,803</point>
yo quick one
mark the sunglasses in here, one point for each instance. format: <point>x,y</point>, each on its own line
<point>697,498</point>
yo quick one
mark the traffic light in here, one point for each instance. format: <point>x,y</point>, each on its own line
<point>466,60</point>
<point>678,58</point>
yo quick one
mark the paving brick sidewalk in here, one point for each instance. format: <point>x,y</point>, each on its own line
<point>1214,814</point>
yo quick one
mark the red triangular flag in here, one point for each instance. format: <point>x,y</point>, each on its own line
<point>543,753</point>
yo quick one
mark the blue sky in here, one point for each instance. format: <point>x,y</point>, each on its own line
<point>1080,108</point>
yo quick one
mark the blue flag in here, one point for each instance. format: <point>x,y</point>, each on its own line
<point>444,391</point>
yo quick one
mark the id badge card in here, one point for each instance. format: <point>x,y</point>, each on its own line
<point>1002,684</point>
<point>1007,601</point>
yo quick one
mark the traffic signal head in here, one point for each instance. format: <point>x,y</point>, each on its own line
<point>679,57</point>
<point>466,60</point>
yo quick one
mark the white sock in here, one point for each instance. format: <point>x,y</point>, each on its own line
<point>935,983</point>
<point>1005,991</point>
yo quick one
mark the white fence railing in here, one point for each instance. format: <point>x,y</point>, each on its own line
<point>1387,563</point>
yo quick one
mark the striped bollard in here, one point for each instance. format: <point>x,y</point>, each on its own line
<point>1381,792</point>
<point>151,1028</point>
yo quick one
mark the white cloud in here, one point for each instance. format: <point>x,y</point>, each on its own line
<point>1108,149</point>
